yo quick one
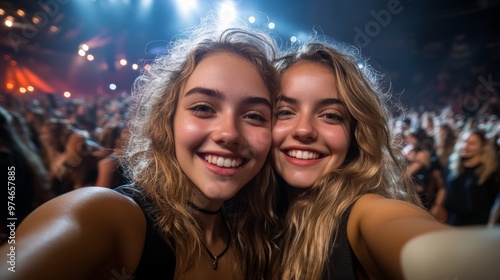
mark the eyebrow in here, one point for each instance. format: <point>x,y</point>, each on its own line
<point>322,102</point>
<point>205,91</point>
<point>219,95</point>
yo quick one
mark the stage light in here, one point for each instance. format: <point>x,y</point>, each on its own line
<point>360,65</point>
<point>112,86</point>
<point>81,52</point>
<point>67,94</point>
<point>85,47</point>
<point>186,7</point>
<point>54,29</point>
<point>227,12</point>
<point>22,90</point>
<point>123,62</point>
<point>9,21</point>
<point>9,86</point>
<point>293,39</point>
<point>271,25</point>
<point>36,20</point>
<point>251,19</point>
<point>90,57</point>
<point>20,13</point>
<point>2,12</point>
<point>135,66</point>
<point>30,88</point>
<point>146,4</point>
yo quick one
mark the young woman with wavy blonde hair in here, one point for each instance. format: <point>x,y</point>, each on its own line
<point>473,180</point>
<point>348,207</point>
<point>201,202</point>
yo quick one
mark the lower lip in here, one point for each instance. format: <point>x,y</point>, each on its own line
<point>222,171</point>
<point>301,162</point>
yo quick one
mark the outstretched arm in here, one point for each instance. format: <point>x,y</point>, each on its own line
<point>88,233</point>
<point>466,253</point>
<point>379,228</point>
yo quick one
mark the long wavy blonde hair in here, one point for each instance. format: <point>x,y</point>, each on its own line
<point>373,164</point>
<point>489,160</point>
<point>150,151</point>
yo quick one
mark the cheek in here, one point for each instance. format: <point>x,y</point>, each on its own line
<point>260,141</point>
<point>185,128</point>
<point>338,140</point>
<point>279,134</point>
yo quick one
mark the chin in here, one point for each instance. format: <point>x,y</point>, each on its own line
<point>301,185</point>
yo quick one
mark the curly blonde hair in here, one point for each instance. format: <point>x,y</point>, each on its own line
<point>373,164</point>
<point>150,151</point>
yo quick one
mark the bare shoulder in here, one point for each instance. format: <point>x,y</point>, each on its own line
<point>372,211</point>
<point>96,203</point>
<point>83,234</point>
<point>369,203</point>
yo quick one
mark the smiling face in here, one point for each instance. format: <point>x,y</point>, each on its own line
<point>222,126</point>
<point>312,132</point>
<point>472,147</point>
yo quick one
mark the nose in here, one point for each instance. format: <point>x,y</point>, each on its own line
<point>304,130</point>
<point>227,131</point>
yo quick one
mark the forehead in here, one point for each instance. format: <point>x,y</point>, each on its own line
<point>309,79</point>
<point>228,73</point>
<point>473,138</point>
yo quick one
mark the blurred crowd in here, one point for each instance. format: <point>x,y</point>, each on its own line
<point>59,144</point>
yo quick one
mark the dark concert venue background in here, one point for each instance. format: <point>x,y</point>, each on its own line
<point>416,45</point>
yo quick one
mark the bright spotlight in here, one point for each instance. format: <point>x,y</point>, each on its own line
<point>8,23</point>
<point>90,57</point>
<point>67,94</point>
<point>135,66</point>
<point>112,86</point>
<point>85,47</point>
<point>251,19</point>
<point>360,65</point>
<point>271,25</point>
<point>293,39</point>
<point>31,89</point>
<point>123,62</point>
<point>227,12</point>
<point>81,52</point>
<point>185,7</point>
<point>22,90</point>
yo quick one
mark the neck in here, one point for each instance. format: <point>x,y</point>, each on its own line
<point>203,210</point>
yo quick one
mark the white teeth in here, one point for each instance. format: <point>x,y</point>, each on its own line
<point>223,162</point>
<point>302,154</point>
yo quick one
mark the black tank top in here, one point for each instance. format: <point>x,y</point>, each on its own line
<point>342,263</point>
<point>158,259</point>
